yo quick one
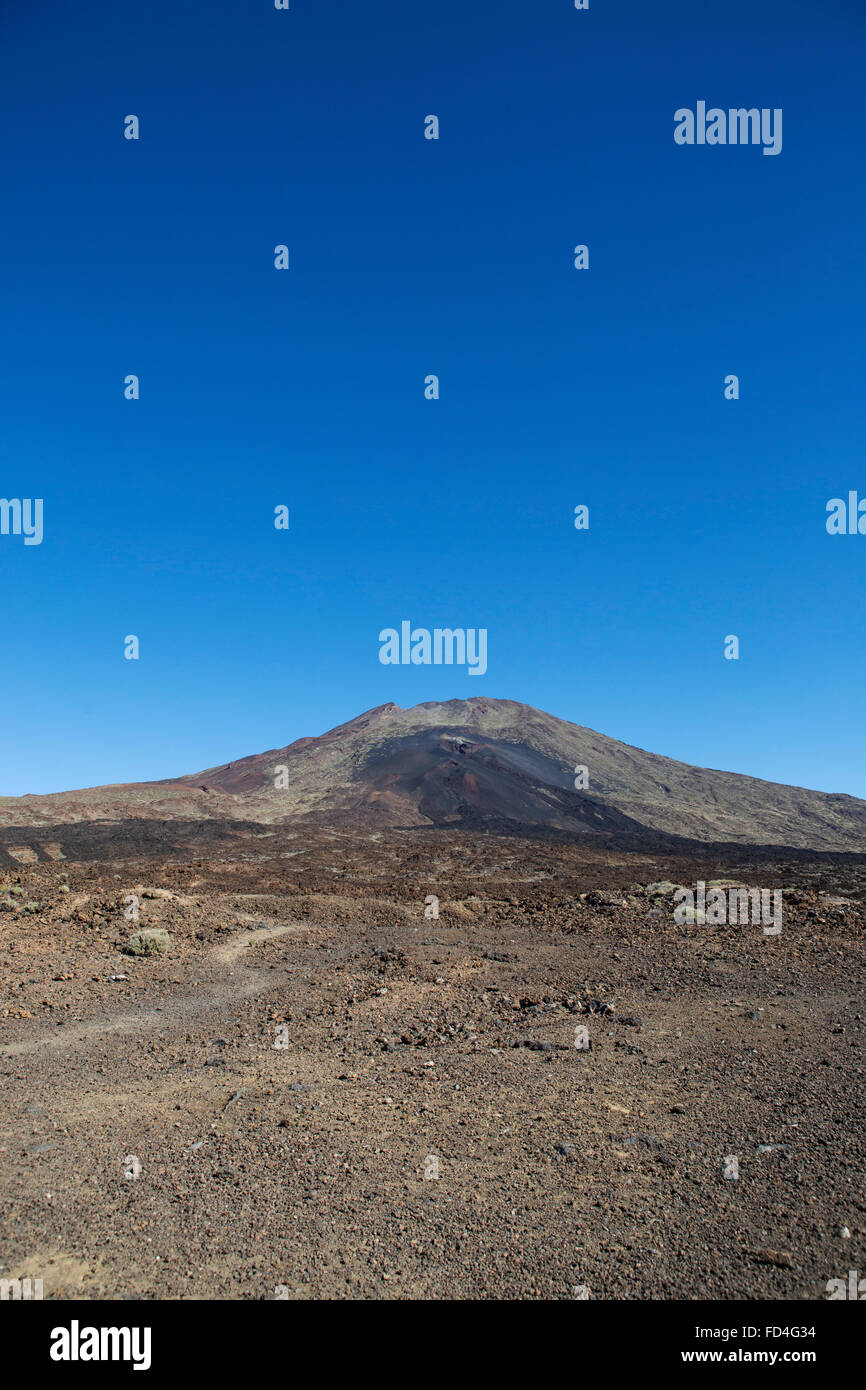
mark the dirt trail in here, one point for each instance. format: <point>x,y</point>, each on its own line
<point>185,1008</point>
<point>229,951</point>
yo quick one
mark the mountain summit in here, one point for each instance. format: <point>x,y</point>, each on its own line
<point>475,763</point>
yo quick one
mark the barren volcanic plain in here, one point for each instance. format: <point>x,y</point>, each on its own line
<point>400,1012</point>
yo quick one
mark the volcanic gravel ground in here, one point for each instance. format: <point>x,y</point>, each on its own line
<point>326,1094</point>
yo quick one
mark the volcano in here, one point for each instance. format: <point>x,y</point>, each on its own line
<point>477,763</point>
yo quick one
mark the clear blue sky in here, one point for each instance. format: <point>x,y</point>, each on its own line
<point>410,257</point>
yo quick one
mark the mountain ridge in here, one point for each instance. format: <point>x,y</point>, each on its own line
<point>473,762</point>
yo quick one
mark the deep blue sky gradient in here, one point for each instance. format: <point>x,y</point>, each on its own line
<point>410,257</point>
